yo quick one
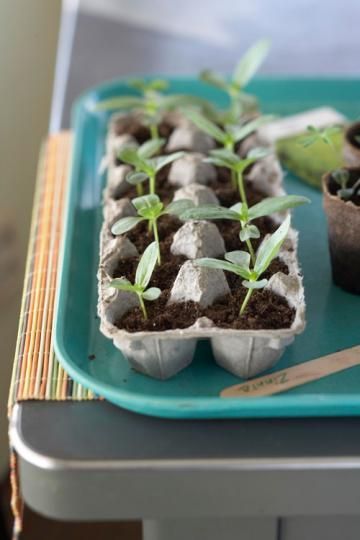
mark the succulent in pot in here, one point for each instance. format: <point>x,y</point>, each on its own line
<point>351,149</point>
<point>341,190</point>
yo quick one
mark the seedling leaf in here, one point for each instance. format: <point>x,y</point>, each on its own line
<point>162,161</point>
<point>145,201</point>
<point>125,224</point>
<point>241,132</point>
<point>250,63</point>
<point>135,178</point>
<point>150,148</point>
<point>177,208</point>
<point>206,125</point>
<point>213,78</point>
<point>210,211</point>
<point>270,247</point>
<point>122,284</point>
<point>240,258</point>
<point>152,294</point>
<point>255,284</point>
<point>276,204</point>
<point>146,265</point>
<point>249,231</point>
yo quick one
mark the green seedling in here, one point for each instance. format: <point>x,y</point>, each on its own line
<point>143,275</point>
<point>146,166</point>
<point>237,165</point>
<point>319,134</point>
<point>239,262</point>
<point>230,134</point>
<point>243,73</point>
<point>342,178</point>
<point>245,216</point>
<point>149,208</point>
<point>152,103</point>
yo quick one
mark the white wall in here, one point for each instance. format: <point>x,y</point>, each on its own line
<point>28,37</point>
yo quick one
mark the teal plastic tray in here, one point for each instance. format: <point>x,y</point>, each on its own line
<point>333,316</point>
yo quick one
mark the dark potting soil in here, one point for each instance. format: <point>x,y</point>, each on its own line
<point>167,226</point>
<point>354,176</point>
<point>265,309</point>
<point>140,132</point>
<point>228,194</point>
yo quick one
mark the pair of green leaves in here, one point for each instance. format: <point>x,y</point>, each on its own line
<point>239,262</point>
<point>143,275</point>
<point>244,71</point>
<point>149,208</point>
<point>319,134</point>
<point>146,166</point>
<point>237,165</point>
<point>231,133</point>
<point>342,178</point>
<point>244,215</point>
<point>223,157</point>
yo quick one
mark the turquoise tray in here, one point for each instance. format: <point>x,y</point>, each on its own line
<point>333,316</point>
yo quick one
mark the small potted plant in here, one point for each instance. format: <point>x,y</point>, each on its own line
<point>352,145</point>
<point>341,190</point>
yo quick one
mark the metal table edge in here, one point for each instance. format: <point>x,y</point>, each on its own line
<point>46,462</point>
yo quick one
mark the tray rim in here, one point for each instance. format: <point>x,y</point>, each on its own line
<point>165,406</point>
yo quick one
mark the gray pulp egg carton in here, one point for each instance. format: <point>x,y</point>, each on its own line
<point>162,354</point>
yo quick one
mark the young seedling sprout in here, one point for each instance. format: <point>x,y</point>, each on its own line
<point>245,216</point>
<point>149,208</point>
<point>345,192</point>
<point>230,134</point>
<point>319,134</point>
<point>152,103</point>
<point>143,275</point>
<point>239,262</point>
<point>146,166</point>
<point>242,75</point>
<point>226,158</point>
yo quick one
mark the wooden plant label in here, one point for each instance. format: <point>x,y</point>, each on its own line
<point>283,380</point>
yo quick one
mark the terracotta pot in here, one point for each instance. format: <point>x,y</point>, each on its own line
<point>344,235</point>
<point>351,151</point>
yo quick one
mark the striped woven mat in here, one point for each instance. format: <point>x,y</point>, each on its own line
<point>37,373</point>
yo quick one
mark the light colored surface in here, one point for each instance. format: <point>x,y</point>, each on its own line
<point>320,528</point>
<point>307,37</point>
<point>298,123</point>
<point>28,37</point>
<point>211,529</point>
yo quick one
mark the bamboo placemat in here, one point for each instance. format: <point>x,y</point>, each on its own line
<point>37,373</point>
